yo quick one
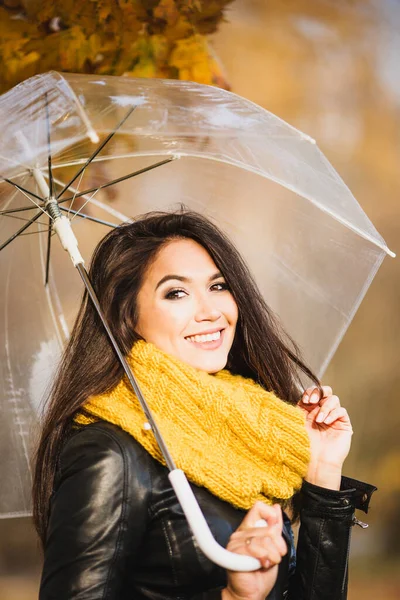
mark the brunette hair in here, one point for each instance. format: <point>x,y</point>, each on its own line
<point>261,350</point>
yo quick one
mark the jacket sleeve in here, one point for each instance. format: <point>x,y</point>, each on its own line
<point>88,537</point>
<point>326,517</point>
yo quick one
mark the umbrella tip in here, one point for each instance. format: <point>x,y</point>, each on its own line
<point>94,138</point>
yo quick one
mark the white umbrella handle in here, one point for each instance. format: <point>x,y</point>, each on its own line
<point>201,531</point>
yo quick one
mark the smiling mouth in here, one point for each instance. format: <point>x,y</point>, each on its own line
<point>205,337</point>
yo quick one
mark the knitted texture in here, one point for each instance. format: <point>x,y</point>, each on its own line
<point>225,432</point>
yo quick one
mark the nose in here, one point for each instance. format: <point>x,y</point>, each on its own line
<point>206,310</point>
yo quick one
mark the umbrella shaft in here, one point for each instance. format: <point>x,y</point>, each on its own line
<point>41,182</point>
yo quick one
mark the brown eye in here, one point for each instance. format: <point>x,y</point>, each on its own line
<point>219,287</point>
<point>175,294</point>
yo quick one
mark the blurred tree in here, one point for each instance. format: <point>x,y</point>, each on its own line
<point>138,38</point>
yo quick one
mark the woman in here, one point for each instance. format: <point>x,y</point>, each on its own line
<point>223,383</point>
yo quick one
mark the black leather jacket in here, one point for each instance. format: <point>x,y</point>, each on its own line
<point>117,531</point>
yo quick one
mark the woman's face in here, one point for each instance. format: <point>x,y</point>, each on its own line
<point>185,308</point>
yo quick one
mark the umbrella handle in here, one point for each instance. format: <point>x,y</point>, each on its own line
<point>201,531</point>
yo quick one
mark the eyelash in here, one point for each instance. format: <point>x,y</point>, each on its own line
<point>171,294</point>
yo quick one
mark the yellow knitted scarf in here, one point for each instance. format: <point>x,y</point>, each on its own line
<point>225,432</point>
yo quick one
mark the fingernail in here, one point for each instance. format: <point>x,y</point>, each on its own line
<point>320,417</point>
<point>267,564</point>
<point>328,420</point>
<point>314,398</point>
<point>305,399</point>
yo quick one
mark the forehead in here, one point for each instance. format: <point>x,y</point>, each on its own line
<point>182,257</point>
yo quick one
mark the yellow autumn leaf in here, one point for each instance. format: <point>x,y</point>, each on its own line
<point>161,48</point>
<point>15,32</point>
<point>145,68</point>
<point>195,62</point>
<point>66,51</point>
<point>167,11</point>
<point>40,11</point>
<point>152,53</point>
<point>17,61</point>
<point>104,10</point>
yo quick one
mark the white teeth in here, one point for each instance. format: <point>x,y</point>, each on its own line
<point>209,337</point>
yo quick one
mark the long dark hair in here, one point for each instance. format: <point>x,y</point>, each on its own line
<point>261,350</point>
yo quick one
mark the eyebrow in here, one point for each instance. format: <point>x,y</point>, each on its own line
<point>217,275</point>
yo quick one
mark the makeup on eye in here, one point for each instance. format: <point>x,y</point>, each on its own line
<point>172,294</point>
<point>223,285</point>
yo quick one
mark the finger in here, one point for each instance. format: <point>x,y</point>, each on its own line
<point>279,541</point>
<point>273,532</point>
<point>327,405</point>
<point>311,395</point>
<point>249,537</point>
<point>327,390</point>
<point>265,549</point>
<point>260,511</point>
<point>306,395</point>
<point>279,515</point>
<point>337,414</point>
<point>310,409</point>
<point>245,532</point>
<point>315,395</point>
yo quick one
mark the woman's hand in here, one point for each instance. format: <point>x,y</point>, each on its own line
<point>265,543</point>
<point>329,429</point>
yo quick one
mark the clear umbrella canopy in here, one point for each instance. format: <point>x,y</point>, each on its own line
<point>311,248</point>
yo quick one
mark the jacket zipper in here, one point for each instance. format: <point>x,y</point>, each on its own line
<point>347,559</point>
<point>361,524</point>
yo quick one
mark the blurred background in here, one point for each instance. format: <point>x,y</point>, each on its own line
<point>331,69</point>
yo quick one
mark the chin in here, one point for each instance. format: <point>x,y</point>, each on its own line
<point>210,364</point>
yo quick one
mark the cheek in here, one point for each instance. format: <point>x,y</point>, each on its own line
<point>166,319</point>
<point>232,311</point>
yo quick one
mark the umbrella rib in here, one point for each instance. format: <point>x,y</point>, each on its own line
<point>96,152</point>
<point>36,232</point>
<point>114,181</point>
<point>49,148</point>
<point>35,203</point>
<point>21,189</point>
<point>101,205</point>
<point>49,232</point>
<point>21,230</point>
<point>76,191</point>
<point>22,219</point>
<point>15,210</point>
<point>85,216</point>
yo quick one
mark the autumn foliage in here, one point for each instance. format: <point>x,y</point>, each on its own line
<point>138,38</point>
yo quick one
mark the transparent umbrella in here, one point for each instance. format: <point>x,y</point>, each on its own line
<point>106,149</point>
